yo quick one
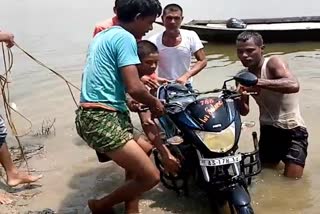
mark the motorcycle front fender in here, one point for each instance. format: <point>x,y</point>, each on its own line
<point>238,196</point>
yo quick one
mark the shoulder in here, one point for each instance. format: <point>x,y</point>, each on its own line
<point>192,38</point>
<point>189,33</point>
<point>276,62</point>
<point>155,38</point>
<point>121,34</point>
<point>104,24</point>
<point>116,38</point>
<point>278,67</point>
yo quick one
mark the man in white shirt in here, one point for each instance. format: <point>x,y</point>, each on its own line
<point>176,47</point>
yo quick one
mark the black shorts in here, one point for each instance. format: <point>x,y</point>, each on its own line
<point>288,145</point>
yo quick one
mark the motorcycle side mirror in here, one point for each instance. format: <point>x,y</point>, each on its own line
<point>246,78</point>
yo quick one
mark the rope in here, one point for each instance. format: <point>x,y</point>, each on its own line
<point>6,99</point>
<point>69,84</point>
<point>8,63</point>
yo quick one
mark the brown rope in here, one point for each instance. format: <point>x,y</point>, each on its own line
<point>6,99</point>
<point>69,84</point>
<point>8,63</point>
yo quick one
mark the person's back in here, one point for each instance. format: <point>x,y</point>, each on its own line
<point>103,62</point>
<point>278,109</point>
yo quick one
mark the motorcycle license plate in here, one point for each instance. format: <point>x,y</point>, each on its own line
<point>220,161</point>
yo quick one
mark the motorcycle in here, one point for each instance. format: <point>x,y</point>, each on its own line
<point>209,128</point>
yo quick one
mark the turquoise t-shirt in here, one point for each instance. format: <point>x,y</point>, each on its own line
<point>101,80</point>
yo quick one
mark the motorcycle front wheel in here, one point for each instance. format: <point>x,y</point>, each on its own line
<point>241,210</point>
<point>231,209</point>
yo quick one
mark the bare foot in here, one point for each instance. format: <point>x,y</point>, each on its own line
<point>21,178</point>
<point>5,199</point>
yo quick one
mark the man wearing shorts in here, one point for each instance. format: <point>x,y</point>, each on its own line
<point>283,134</point>
<point>103,119</point>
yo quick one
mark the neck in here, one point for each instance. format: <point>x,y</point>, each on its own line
<point>257,69</point>
<point>127,27</point>
<point>172,33</point>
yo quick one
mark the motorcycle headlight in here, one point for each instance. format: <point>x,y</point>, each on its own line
<point>218,142</point>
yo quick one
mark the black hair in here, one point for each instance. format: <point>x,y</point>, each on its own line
<point>146,48</point>
<point>116,3</point>
<point>127,10</point>
<point>246,35</point>
<point>172,8</point>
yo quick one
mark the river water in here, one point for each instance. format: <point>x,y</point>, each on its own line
<point>58,33</point>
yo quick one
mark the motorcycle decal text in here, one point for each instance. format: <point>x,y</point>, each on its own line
<point>217,105</point>
<point>205,119</point>
<point>207,101</point>
<point>209,111</point>
<point>212,108</point>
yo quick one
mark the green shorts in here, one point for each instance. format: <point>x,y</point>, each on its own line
<point>104,130</point>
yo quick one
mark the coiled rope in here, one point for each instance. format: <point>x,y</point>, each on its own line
<point>8,63</point>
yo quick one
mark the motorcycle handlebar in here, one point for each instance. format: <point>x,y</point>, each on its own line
<point>231,95</point>
<point>236,95</point>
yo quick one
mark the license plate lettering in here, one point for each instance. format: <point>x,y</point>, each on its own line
<point>220,161</point>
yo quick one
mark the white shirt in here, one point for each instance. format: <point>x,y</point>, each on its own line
<point>176,61</point>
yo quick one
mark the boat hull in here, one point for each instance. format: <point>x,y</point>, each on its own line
<point>287,29</point>
<point>229,36</point>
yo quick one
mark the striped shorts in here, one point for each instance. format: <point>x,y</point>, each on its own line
<point>3,131</point>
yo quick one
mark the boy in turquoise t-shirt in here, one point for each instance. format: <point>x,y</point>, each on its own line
<point>102,119</point>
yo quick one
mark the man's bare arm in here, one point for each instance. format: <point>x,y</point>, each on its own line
<point>135,87</point>
<point>199,65</point>
<point>138,91</point>
<point>280,78</point>
<point>243,102</point>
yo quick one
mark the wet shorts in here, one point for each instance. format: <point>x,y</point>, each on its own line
<point>104,130</point>
<point>288,145</point>
<point>3,131</point>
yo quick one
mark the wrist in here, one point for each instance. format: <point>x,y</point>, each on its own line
<point>164,152</point>
<point>149,100</point>
<point>187,75</point>
<point>260,83</point>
